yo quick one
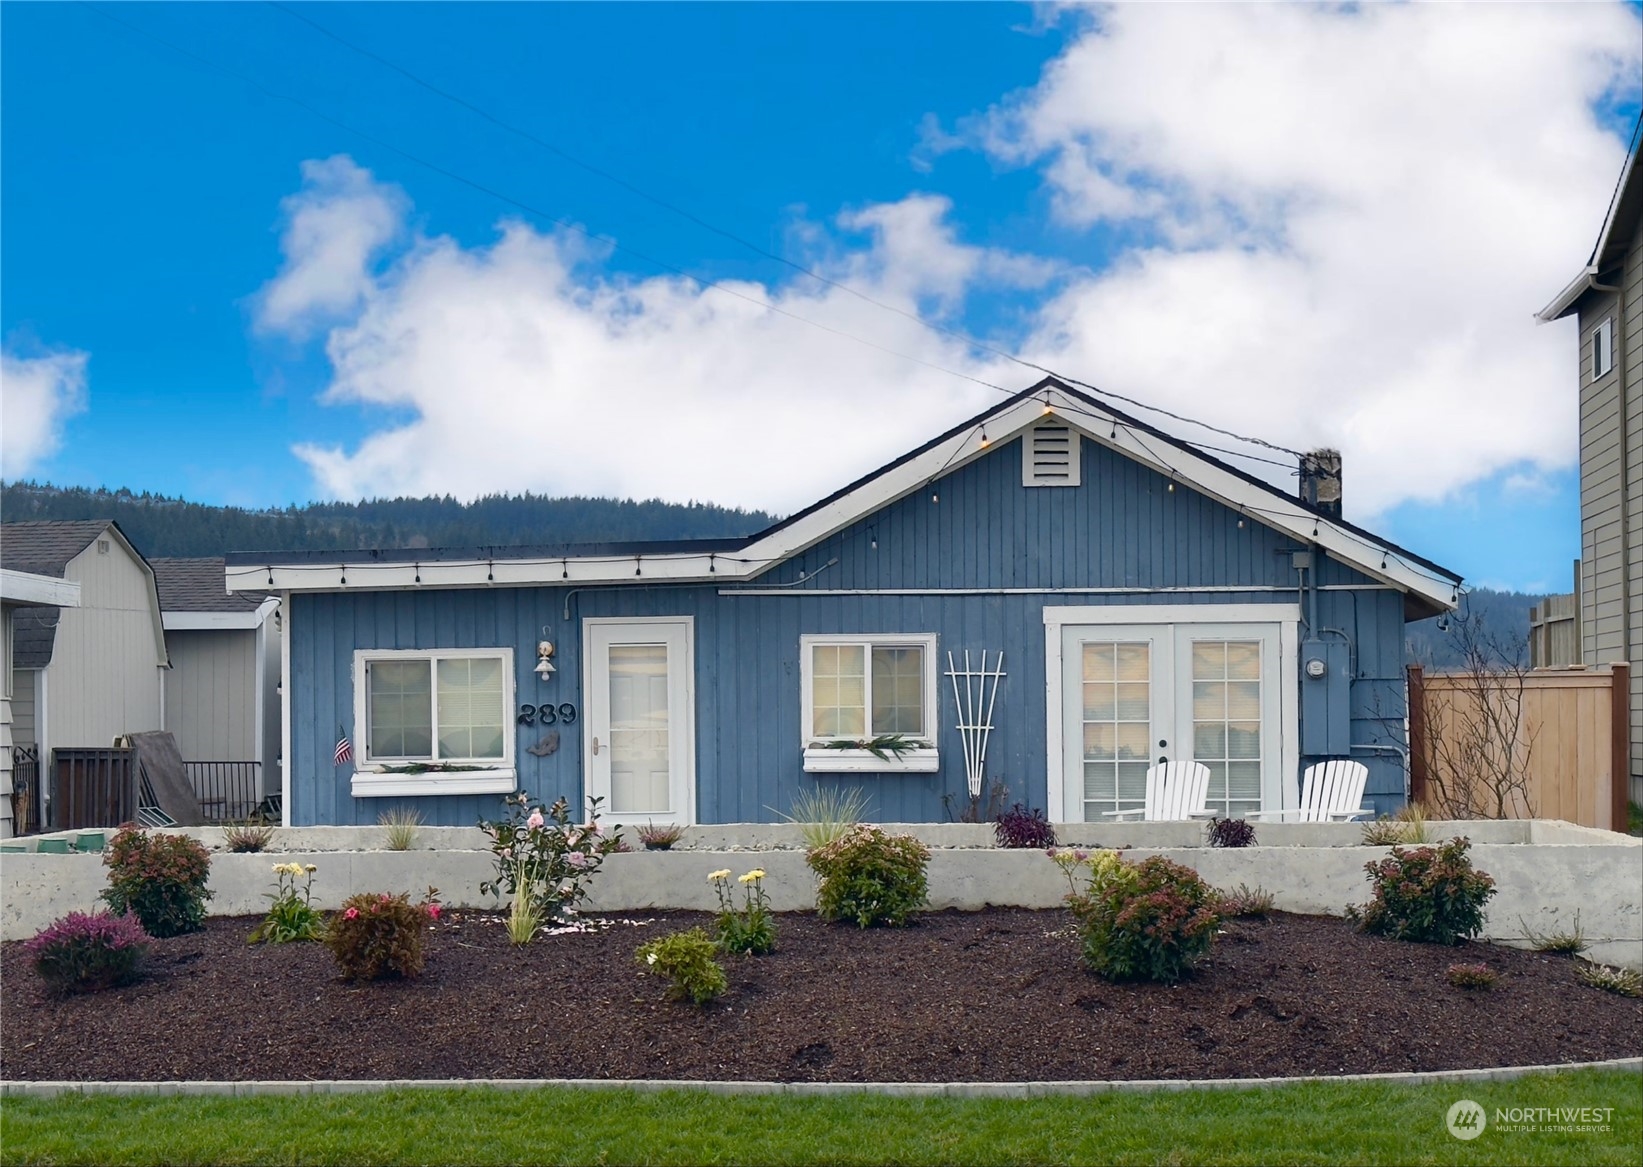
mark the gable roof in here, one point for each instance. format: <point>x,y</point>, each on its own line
<point>1429,587</point>
<point>195,584</point>
<point>1613,241</point>
<point>44,547</point>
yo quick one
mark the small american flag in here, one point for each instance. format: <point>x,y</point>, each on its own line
<point>345,748</point>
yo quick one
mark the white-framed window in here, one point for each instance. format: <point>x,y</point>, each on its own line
<point>858,691</point>
<point>433,721</point>
<point>1603,348</point>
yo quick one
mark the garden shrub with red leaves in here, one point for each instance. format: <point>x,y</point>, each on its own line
<point>377,935</point>
<point>160,878</point>
<point>1428,894</point>
<point>1146,921</point>
<point>1019,827</point>
<point>1231,833</point>
<point>83,953</point>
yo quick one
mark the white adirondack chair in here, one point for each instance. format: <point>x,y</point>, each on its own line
<point>1331,792</point>
<point>1176,791</point>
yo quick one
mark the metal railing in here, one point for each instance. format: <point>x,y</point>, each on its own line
<point>226,790</point>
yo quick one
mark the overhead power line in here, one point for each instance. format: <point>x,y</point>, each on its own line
<point>689,216</point>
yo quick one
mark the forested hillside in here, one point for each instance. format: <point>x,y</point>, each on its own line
<point>161,526</point>
<point>1505,614</point>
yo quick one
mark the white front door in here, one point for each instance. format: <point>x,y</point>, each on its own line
<point>639,727</point>
<point>1134,695</point>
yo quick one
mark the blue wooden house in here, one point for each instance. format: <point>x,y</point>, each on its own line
<point>1148,601</point>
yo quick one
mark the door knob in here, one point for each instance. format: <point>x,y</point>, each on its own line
<point>595,745</point>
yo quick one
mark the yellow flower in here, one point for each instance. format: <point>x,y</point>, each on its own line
<point>279,869</point>
<point>722,873</point>
<point>756,873</point>
<point>312,867</point>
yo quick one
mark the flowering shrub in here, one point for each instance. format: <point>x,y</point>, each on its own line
<point>1019,827</point>
<point>85,954</point>
<point>750,929</point>
<point>1471,976</point>
<point>291,915</point>
<point>377,935</point>
<point>159,877</point>
<point>1231,833</point>
<point>1141,921</point>
<point>870,877</point>
<point>1243,901</point>
<point>537,847</point>
<point>1430,894</point>
<point>686,959</point>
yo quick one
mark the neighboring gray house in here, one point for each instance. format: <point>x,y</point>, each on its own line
<point>83,676</point>
<point>1607,300</point>
<point>26,593</point>
<point>222,700</point>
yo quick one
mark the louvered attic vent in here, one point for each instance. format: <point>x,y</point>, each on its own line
<point>1049,456</point>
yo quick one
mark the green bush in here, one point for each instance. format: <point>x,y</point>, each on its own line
<point>870,877</point>
<point>686,959</point>
<point>376,936</point>
<point>1430,894</point>
<point>160,879</point>
<point>1146,921</point>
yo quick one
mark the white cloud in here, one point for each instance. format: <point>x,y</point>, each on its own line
<point>37,394</point>
<point>526,366</point>
<point>1346,217</point>
<point>1354,213</point>
<point>334,228</point>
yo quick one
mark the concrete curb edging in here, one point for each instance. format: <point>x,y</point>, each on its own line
<point>799,1089</point>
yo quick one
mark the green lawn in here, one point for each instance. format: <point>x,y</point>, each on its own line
<point>1305,1123</point>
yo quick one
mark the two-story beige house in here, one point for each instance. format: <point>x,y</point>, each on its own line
<point>1607,299</point>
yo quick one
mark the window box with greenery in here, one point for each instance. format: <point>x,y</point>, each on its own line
<point>433,721</point>
<point>869,703</point>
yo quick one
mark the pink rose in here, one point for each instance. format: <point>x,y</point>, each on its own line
<point>433,911</point>
<point>351,914</point>
<point>536,820</point>
<point>573,838</point>
<point>576,859</point>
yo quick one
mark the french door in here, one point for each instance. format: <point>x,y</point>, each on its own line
<point>639,718</point>
<point>1134,695</point>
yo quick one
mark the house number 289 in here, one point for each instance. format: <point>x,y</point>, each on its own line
<point>547,714</point>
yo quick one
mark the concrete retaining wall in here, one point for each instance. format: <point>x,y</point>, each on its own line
<point>1541,884</point>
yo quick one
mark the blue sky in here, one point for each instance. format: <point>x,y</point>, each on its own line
<point>241,302</point>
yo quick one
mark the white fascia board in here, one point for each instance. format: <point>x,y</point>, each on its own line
<point>1258,503</point>
<point>1564,301</point>
<point>690,567</point>
<point>25,587</point>
<point>219,621</point>
<point>1202,475</point>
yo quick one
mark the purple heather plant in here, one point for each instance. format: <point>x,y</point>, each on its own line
<point>83,953</point>
<point>1020,827</point>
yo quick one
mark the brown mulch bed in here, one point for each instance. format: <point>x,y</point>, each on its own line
<point>996,995</point>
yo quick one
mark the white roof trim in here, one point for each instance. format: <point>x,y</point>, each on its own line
<point>219,621</point>
<point>1587,279</point>
<point>1565,300</point>
<point>25,587</point>
<point>1260,504</point>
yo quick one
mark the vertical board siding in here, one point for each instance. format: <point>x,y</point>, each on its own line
<point>1122,528</point>
<point>210,694</point>
<point>104,676</point>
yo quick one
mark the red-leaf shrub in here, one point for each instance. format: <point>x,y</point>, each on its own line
<point>1231,833</point>
<point>1146,921</point>
<point>85,954</point>
<point>870,877</point>
<point>377,935</point>
<point>159,877</point>
<point>1429,894</point>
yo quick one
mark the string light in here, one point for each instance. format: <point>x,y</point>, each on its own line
<point>419,573</point>
<point>711,568</point>
<point>564,569</point>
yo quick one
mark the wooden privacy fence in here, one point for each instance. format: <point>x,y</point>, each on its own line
<point>92,788</point>
<point>1571,753</point>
